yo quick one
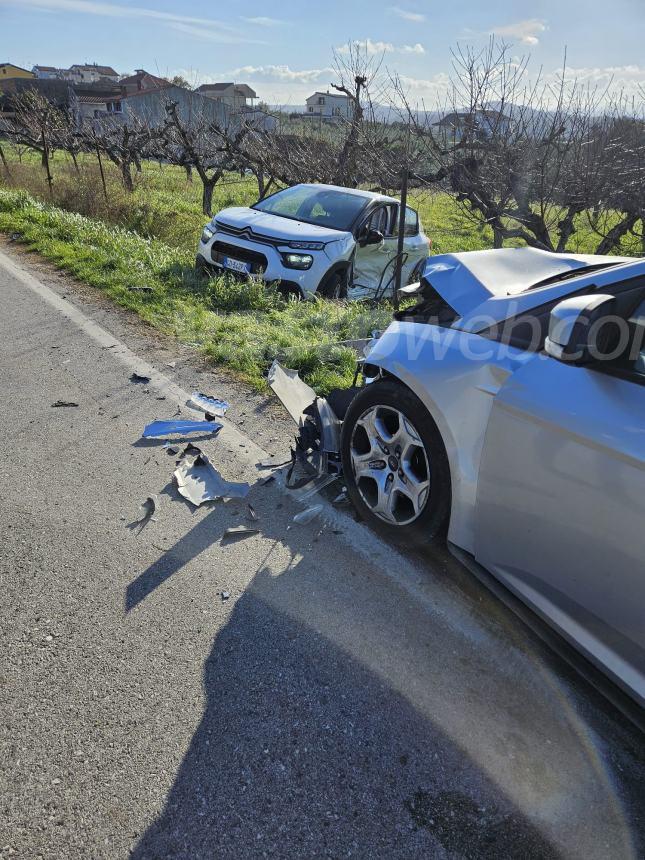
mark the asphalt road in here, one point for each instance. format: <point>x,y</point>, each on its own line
<point>343,701</point>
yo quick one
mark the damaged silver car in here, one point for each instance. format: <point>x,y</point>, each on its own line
<point>505,409</point>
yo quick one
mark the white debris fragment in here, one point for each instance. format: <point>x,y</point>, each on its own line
<point>308,515</point>
<point>199,481</point>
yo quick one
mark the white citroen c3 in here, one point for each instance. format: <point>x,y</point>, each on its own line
<point>317,239</point>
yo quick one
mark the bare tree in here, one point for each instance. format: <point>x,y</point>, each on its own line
<point>201,145</point>
<point>620,178</point>
<point>521,155</point>
<point>124,143</point>
<point>39,125</point>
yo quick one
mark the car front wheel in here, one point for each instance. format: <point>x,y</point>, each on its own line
<point>395,464</point>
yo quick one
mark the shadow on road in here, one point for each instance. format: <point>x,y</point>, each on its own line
<point>303,751</point>
<point>344,717</point>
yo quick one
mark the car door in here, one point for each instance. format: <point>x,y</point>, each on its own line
<point>560,514</point>
<point>415,244</point>
<point>371,261</point>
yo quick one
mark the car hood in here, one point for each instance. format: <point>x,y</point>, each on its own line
<point>275,226</point>
<point>468,280</point>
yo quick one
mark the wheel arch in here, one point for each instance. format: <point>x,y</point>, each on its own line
<point>338,266</point>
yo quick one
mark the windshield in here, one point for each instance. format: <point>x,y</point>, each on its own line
<point>315,205</point>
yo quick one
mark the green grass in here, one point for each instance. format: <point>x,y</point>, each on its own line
<point>241,326</point>
<point>166,206</point>
<point>148,238</point>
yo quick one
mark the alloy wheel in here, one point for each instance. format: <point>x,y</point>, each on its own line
<point>390,464</point>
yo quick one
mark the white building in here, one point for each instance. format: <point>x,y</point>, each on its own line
<point>89,74</point>
<point>237,97</point>
<point>47,73</point>
<point>328,105</point>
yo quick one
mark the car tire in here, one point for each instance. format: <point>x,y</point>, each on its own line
<point>388,436</point>
<point>333,286</point>
<point>201,266</point>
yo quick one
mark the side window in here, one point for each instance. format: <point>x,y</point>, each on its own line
<point>411,222</point>
<point>637,326</point>
<point>379,220</point>
<point>411,226</point>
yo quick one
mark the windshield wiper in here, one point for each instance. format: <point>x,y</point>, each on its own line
<point>570,273</point>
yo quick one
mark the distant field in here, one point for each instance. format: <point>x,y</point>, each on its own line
<point>166,206</point>
<point>149,238</point>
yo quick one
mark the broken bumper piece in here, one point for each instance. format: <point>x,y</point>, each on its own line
<point>199,481</point>
<point>319,421</point>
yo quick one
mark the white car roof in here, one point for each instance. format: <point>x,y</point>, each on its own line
<point>470,279</point>
<point>358,192</point>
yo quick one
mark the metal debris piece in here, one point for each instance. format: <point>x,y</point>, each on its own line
<point>199,481</point>
<point>207,403</point>
<point>225,595</point>
<point>159,429</point>
<point>149,507</point>
<point>238,533</point>
<point>252,512</point>
<point>171,449</point>
<point>308,514</point>
<point>317,486</point>
<point>342,498</point>
<point>295,394</point>
<point>271,463</point>
<point>137,377</point>
<point>63,403</point>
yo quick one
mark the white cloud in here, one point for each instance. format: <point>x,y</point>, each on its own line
<point>372,48</point>
<point>284,73</point>
<point>368,46</point>
<point>427,89</point>
<point>413,49</point>
<point>262,21</point>
<point>628,80</point>
<point>527,32</point>
<point>417,17</point>
<point>206,34</point>
<point>218,32</point>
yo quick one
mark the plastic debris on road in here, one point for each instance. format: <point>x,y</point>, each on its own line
<point>199,481</point>
<point>148,507</point>
<point>137,377</point>
<point>159,429</point>
<point>308,515</point>
<point>295,394</point>
<point>238,533</point>
<point>209,405</point>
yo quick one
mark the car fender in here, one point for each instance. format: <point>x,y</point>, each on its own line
<point>456,376</point>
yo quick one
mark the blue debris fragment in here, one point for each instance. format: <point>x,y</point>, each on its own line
<point>159,429</point>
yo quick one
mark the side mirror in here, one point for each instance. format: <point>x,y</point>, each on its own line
<point>577,331</point>
<point>370,237</point>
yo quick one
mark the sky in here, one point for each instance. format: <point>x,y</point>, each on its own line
<point>285,50</point>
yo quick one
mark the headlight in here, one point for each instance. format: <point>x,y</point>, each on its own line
<point>207,234</point>
<point>297,261</point>
<point>308,246</point>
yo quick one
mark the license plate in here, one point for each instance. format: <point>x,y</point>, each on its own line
<point>236,265</point>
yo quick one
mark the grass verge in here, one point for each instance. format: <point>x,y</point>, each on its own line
<point>241,326</point>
